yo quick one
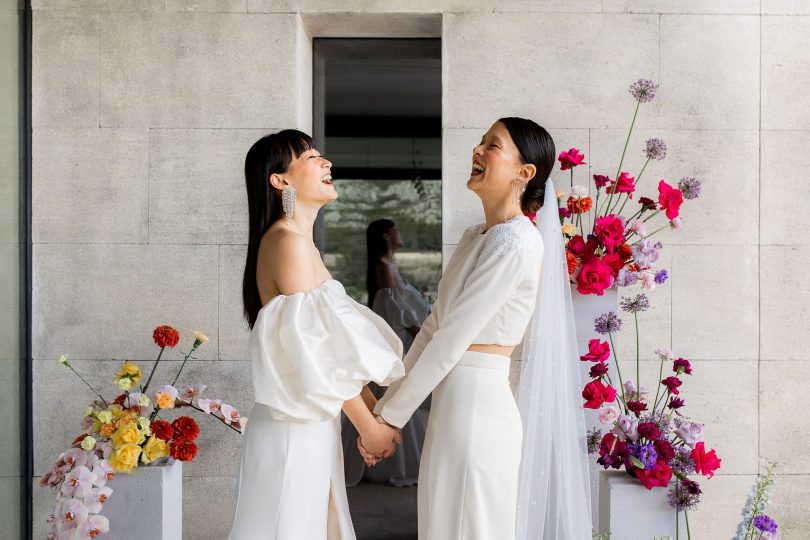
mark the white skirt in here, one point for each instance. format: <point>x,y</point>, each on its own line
<point>291,484</point>
<point>468,478</point>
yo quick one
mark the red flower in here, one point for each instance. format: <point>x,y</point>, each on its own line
<point>594,277</point>
<point>649,430</point>
<point>664,449</point>
<point>577,245</point>
<point>670,199</point>
<point>600,180</point>
<point>186,427</point>
<point>598,351</point>
<point>610,231</point>
<point>162,429</point>
<point>564,213</point>
<point>647,203</point>
<point>182,449</point>
<point>672,384</point>
<point>614,261</point>
<point>682,365</point>
<point>612,451</point>
<point>625,184</point>
<point>119,400</point>
<point>658,476</point>
<point>625,252</point>
<point>571,159</point>
<point>579,206</point>
<point>597,370</point>
<point>165,336</point>
<point>572,262</point>
<point>705,462</point>
<point>596,393</point>
<point>636,407</point>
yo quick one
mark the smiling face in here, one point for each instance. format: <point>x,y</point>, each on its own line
<point>496,162</point>
<point>311,176</point>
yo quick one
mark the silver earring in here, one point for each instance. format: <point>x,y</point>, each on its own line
<point>518,187</point>
<point>288,201</point>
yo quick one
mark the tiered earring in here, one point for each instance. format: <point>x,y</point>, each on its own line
<point>288,201</point>
<point>518,187</point>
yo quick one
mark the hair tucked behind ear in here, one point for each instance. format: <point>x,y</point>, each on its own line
<point>271,154</point>
<point>536,147</point>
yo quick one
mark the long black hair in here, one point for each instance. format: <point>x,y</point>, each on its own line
<point>376,247</point>
<point>536,147</point>
<point>271,154</point>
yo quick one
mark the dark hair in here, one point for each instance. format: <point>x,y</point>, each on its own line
<point>271,154</point>
<point>376,247</point>
<point>536,147</point>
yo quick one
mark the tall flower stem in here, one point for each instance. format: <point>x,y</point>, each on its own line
<point>648,218</point>
<point>154,367</point>
<point>572,178</point>
<point>688,532</point>
<point>179,371</point>
<point>658,386</point>
<point>638,359</point>
<point>618,371</point>
<point>104,401</point>
<point>658,230</point>
<point>634,185</point>
<point>621,161</point>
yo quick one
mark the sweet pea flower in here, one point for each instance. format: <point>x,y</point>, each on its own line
<point>595,394</point>
<point>670,199</point>
<point>600,180</point>
<point>625,184</point>
<point>690,432</point>
<point>648,282</point>
<point>675,224</point>
<point>638,227</point>
<point>646,253</point>
<point>664,354</point>
<point>705,462</point>
<point>598,351</point>
<point>96,497</point>
<point>626,278</point>
<point>608,414</point>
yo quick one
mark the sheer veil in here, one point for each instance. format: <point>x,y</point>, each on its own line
<point>554,494</point>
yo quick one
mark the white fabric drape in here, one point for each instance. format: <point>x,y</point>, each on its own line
<point>554,493</point>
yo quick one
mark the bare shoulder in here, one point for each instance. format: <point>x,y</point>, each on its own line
<point>384,275</point>
<point>288,262</point>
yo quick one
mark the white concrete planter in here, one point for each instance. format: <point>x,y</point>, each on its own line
<point>147,504</point>
<point>586,309</point>
<point>631,512</point>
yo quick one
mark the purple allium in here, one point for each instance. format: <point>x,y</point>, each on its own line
<point>682,499</point>
<point>690,187</point>
<point>661,276</point>
<point>635,305</point>
<point>655,149</point>
<point>626,278</point>
<point>643,90</point>
<point>594,439</point>
<point>600,180</point>
<point>607,323</point>
<point>645,453</point>
<point>682,461</point>
<point>675,403</point>
<point>765,523</point>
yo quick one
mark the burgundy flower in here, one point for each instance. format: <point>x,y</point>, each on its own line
<point>565,213</point>
<point>647,203</point>
<point>598,370</point>
<point>691,487</point>
<point>600,180</point>
<point>664,449</point>
<point>636,407</point>
<point>649,430</point>
<point>675,403</point>
<point>672,384</point>
<point>612,452</point>
<point>682,365</point>
<point>577,245</point>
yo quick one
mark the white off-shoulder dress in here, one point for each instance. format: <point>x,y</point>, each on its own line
<point>309,352</point>
<point>468,478</point>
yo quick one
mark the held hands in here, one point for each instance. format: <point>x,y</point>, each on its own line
<point>378,443</point>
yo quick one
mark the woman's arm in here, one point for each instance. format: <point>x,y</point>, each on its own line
<point>377,438</point>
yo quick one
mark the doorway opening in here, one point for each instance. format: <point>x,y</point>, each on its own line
<point>377,117</point>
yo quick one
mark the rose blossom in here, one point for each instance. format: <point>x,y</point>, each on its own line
<point>690,432</point>
<point>571,159</point>
<point>608,414</point>
<point>705,462</point>
<point>598,351</point>
<point>595,394</point>
<point>658,476</point>
<point>610,231</point>
<point>594,277</point>
<point>626,426</point>
<point>670,199</point>
<point>576,245</point>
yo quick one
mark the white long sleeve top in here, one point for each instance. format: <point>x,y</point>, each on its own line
<point>486,296</point>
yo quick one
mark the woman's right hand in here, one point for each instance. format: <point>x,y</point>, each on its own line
<point>380,439</point>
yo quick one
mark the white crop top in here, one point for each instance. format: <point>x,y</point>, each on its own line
<point>311,351</point>
<point>486,296</point>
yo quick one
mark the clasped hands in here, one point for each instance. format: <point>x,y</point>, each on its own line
<point>378,442</point>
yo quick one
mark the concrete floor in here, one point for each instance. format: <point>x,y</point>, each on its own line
<point>383,512</point>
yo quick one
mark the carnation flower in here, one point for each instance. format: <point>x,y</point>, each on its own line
<point>64,361</point>
<point>643,90</point>
<point>660,420</point>
<point>165,336</point>
<point>675,403</point>
<point>162,429</point>
<point>186,427</point>
<point>199,338</point>
<point>672,384</point>
<point>565,213</point>
<point>598,370</point>
<point>635,305</point>
<point>636,407</point>
<point>655,149</point>
<point>600,180</point>
<point>647,204</point>
<point>661,276</point>
<point>682,365</point>
<point>182,449</point>
<point>569,229</point>
<point>648,430</point>
<point>571,159</point>
<point>607,323</point>
<point>88,443</point>
<point>690,187</point>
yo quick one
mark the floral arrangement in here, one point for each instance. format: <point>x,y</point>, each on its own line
<point>120,435</point>
<point>604,247</point>
<point>649,438</point>
<point>755,524</point>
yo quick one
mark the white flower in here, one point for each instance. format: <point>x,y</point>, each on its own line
<point>88,443</point>
<point>230,414</point>
<point>194,391</point>
<point>145,425</point>
<point>579,192</point>
<point>78,482</point>
<point>96,497</point>
<point>103,472</point>
<point>664,354</point>
<point>64,360</point>
<point>94,527</point>
<point>676,224</point>
<point>124,383</point>
<point>209,406</point>
<point>105,417</point>
<point>69,513</point>
<point>200,338</point>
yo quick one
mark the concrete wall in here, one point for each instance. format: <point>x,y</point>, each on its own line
<point>143,111</point>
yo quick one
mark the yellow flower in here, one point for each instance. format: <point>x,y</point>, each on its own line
<point>145,424</point>
<point>116,410</point>
<point>104,417</point>
<point>154,449</point>
<point>128,433</point>
<point>88,443</point>
<point>125,458</point>
<point>89,411</point>
<point>569,229</point>
<point>130,371</point>
<point>560,194</point>
<point>164,400</point>
<point>200,338</point>
<point>143,401</point>
<point>124,383</point>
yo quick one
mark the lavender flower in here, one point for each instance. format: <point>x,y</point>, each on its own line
<point>661,276</point>
<point>682,499</point>
<point>607,323</point>
<point>645,453</point>
<point>765,523</point>
<point>643,90</point>
<point>635,305</point>
<point>690,187</point>
<point>594,439</point>
<point>626,278</point>
<point>682,461</point>
<point>646,253</point>
<point>655,149</point>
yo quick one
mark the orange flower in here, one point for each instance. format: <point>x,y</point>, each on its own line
<point>164,400</point>
<point>579,206</point>
<point>165,336</point>
<point>572,262</point>
<point>107,429</point>
<point>625,252</point>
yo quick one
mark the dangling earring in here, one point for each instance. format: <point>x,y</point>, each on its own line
<point>518,187</point>
<point>288,201</point>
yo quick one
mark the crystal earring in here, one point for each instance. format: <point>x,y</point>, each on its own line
<point>288,201</point>
<point>518,187</point>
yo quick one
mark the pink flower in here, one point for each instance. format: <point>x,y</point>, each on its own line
<point>594,277</point>
<point>598,351</point>
<point>94,527</point>
<point>78,482</point>
<point>103,472</point>
<point>664,354</point>
<point>608,414</point>
<point>596,393</point>
<point>571,159</point>
<point>670,199</point>
<point>193,392</point>
<point>658,476</point>
<point>96,497</point>
<point>705,462</point>
<point>638,227</point>
<point>610,231</point>
<point>690,433</point>
<point>647,281</point>
<point>625,184</point>
<point>626,427</point>
<point>230,415</point>
<point>209,406</point>
<point>69,513</point>
<point>676,224</point>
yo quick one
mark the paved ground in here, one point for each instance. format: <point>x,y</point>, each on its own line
<point>383,512</point>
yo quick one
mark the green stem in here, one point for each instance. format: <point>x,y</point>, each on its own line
<point>638,360</point>
<point>90,387</point>
<point>183,364</point>
<point>618,371</point>
<point>688,532</point>
<point>626,142</point>
<point>658,230</point>
<point>658,387</point>
<point>143,389</point>
<point>677,526</point>
<point>634,185</point>
<point>572,178</point>
<point>648,218</point>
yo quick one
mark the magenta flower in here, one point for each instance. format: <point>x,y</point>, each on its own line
<point>625,184</point>
<point>598,351</point>
<point>670,199</point>
<point>672,384</point>
<point>682,365</point>
<point>600,180</point>
<point>571,159</point>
